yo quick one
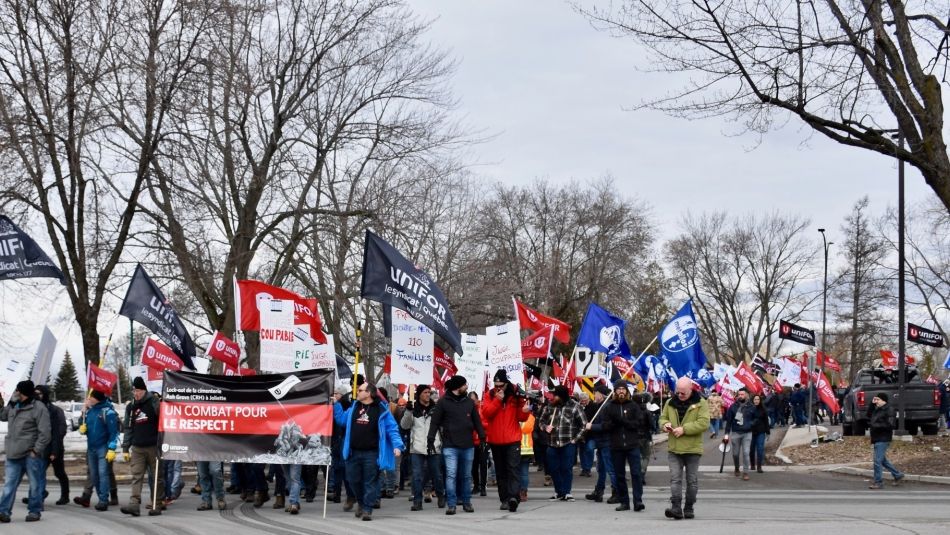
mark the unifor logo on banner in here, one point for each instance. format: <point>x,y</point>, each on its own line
<point>920,335</point>
<point>789,331</point>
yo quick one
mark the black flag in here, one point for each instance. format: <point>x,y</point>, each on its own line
<point>790,331</point>
<point>917,334</point>
<point>391,279</point>
<point>21,257</point>
<point>145,303</point>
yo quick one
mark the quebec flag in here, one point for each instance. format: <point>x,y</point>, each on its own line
<point>681,349</point>
<point>602,332</point>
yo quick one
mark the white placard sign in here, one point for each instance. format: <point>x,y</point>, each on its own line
<point>504,351</point>
<point>472,364</point>
<point>278,338</point>
<point>12,372</point>
<point>791,372</point>
<point>412,343</point>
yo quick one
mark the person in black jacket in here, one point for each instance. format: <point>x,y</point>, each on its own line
<point>55,451</point>
<point>882,423</point>
<point>760,432</point>
<point>601,440</point>
<point>625,420</point>
<point>140,444</point>
<point>456,417</point>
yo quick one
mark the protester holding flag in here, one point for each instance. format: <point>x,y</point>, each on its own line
<point>457,419</point>
<point>597,435</point>
<point>625,420</point>
<point>715,413</point>
<point>418,421</point>
<point>881,422</point>
<point>140,445</point>
<point>564,420</point>
<point>28,435</point>
<point>371,443</point>
<point>102,437</point>
<point>739,419</point>
<point>504,412</point>
<point>685,418</point>
<point>760,432</point>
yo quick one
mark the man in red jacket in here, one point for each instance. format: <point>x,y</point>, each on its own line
<point>504,411</point>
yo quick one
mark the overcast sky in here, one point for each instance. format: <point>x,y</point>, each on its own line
<point>554,93</point>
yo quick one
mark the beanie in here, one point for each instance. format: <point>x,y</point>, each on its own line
<point>97,395</point>
<point>454,383</point>
<point>139,384</point>
<point>621,384</point>
<point>26,389</point>
<point>501,376</point>
<point>883,396</point>
<point>561,391</point>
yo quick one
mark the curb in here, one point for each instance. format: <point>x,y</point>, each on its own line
<point>854,471</point>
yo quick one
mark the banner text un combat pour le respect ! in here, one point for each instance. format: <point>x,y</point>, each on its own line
<point>238,419</point>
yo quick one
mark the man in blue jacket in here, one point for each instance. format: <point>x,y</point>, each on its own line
<point>102,438</point>
<point>371,443</point>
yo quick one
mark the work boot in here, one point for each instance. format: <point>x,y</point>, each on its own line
<point>114,497</point>
<point>482,491</point>
<point>674,511</point>
<point>416,506</point>
<point>278,502</point>
<point>350,502</point>
<point>82,500</point>
<point>63,500</point>
<point>613,497</point>
<point>441,501</point>
<point>759,469</point>
<point>688,511</point>
<point>260,498</point>
<point>131,509</point>
<point>596,496</point>
<point>623,507</point>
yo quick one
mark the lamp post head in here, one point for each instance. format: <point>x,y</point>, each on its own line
<point>821,230</point>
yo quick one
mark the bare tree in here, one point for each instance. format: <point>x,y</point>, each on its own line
<point>743,275</point>
<point>846,69</point>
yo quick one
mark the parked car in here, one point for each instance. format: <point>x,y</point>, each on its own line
<point>921,400</point>
<point>74,413</point>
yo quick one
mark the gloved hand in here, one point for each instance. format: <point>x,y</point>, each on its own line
<point>82,429</point>
<point>430,448</point>
<point>126,456</point>
<point>110,456</point>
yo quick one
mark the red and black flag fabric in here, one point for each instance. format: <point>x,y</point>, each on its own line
<point>282,418</point>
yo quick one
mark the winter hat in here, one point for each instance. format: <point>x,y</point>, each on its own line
<point>26,389</point>
<point>561,391</point>
<point>883,396</point>
<point>501,376</point>
<point>621,384</point>
<point>97,395</point>
<point>454,383</point>
<point>139,384</point>
<point>420,389</point>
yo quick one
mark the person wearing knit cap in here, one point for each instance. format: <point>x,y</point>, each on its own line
<point>504,412</point>
<point>597,435</point>
<point>55,451</point>
<point>102,438</point>
<point>456,419</point>
<point>563,420</point>
<point>28,435</point>
<point>881,423</point>
<point>140,447</point>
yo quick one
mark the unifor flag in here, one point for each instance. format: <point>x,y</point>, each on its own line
<point>889,359</point>
<point>389,278</point>
<point>283,418</point>
<point>602,332</point>
<point>224,349</point>
<point>535,321</point>
<point>681,348</point>
<point>21,257</point>
<point>159,356</point>
<point>789,331</point>
<point>828,362</point>
<point>230,371</point>
<point>825,392</point>
<point>746,376</point>
<point>100,380</point>
<point>917,334</point>
<point>442,360</point>
<point>145,303</point>
<point>255,296</point>
<point>537,345</point>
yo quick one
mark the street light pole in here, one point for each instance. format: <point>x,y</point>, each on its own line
<point>901,344</point>
<point>824,313</point>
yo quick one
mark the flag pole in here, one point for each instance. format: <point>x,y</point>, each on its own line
<point>359,338</point>
<point>623,377</point>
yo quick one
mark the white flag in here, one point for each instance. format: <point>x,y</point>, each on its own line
<point>284,387</point>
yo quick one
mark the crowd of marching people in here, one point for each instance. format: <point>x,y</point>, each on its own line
<point>446,448</point>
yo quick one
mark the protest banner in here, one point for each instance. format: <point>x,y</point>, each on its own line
<point>224,349</point>
<point>277,335</point>
<point>412,344</point>
<point>159,356</point>
<point>44,356</point>
<point>248,419</point>
<point>145,303</point>
<point>471,364</point>
<point>504,351</point>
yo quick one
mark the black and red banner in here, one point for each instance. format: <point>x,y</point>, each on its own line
<point>789,331</point>
<point>919,335</point>
<point>252,419</point>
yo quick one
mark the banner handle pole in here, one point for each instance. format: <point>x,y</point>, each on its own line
<point>622,378</point>
<point>356,354</point>
<point>155,487</point>
<point>326,483</point>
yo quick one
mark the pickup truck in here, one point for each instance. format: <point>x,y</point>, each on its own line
<point>921,401</point>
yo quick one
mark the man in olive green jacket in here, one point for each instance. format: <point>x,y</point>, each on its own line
<point>685,418</point>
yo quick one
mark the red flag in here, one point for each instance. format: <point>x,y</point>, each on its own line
<point>828,362</point>
<point>537,345</point>
<point>224,349</point>
<point>441,359</point>
<point>888,359</point>
<point>910,360</point>
<point>437,383</point>
<point>746,376</point>
<point>536,321</point>
<point>159,356</point>
<point>825,393</point>
<point>229,371</point>
<point>623,366</point>
<point>557,372</point>
<point>803,372</point>
<point>388,364</point>
<point>305,310</point>
<point>101,380</point>
<point>570,376</point>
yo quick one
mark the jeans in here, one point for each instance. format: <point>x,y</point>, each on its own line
<point>757,452</point>
<point>35,468</point>
<point>458,463</point>
<point>631,457</point>
<point>172,479</point>
<point>337,478</point>
<point>211,478</point>
<point>587,455</point>
<point>605,467</point>
<point>507,458</point>
<point>420,463</point>
<point>880,462</point>
<point>561,464</point>
<point>741,448</point>
<point>292,478</point>
<point>680,462</point>
<point>525,471</point>
<point>799,414</point>
<point>98,472</point>
<point>363,475</point>
<point>714,425</point>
